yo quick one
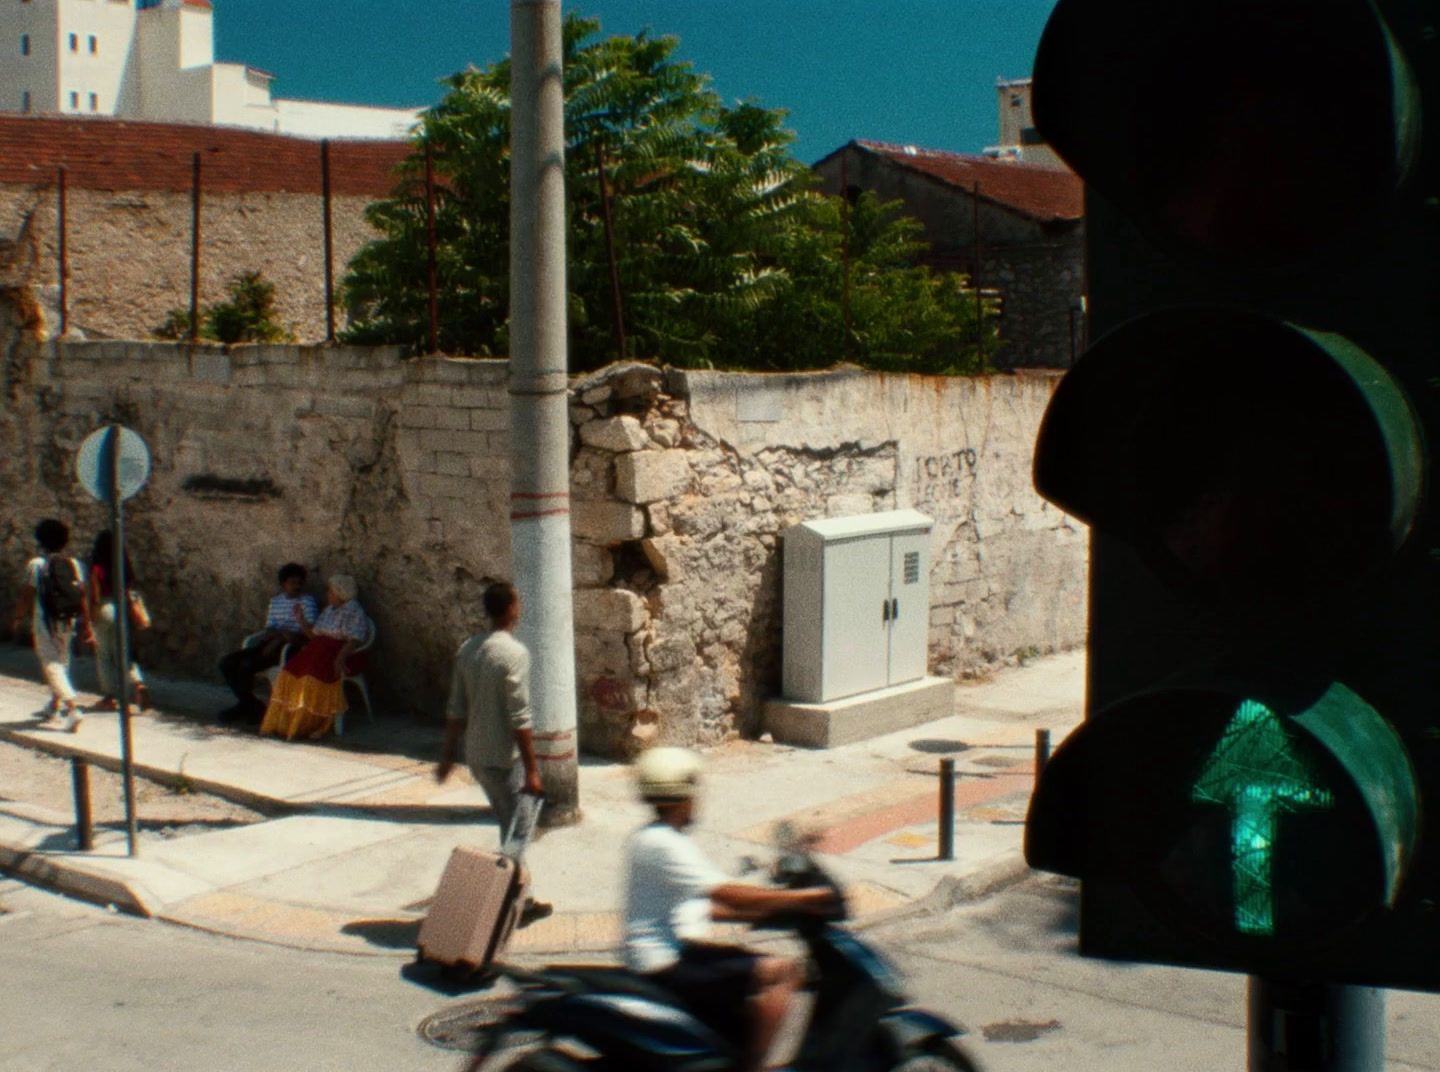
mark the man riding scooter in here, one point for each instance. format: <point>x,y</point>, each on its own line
<point>673,893</point>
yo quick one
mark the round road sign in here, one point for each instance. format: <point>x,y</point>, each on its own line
<point>93,462</point>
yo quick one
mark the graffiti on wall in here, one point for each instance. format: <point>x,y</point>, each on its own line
<point>943,476</point>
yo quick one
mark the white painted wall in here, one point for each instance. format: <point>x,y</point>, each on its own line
<point>314,119</point>
<point>157,64</point>
<point>34,73</point>
<point>168,92</point>
<point>196,34</point>
<point>240,97</point>
<point>94,73</point>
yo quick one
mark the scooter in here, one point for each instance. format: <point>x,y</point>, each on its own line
<point>599,1019</point>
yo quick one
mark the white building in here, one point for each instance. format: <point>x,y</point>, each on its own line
<point>155,60</point>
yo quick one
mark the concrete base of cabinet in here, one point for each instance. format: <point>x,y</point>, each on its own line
<point>858,718</point>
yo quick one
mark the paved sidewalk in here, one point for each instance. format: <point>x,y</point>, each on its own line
<point>359,831</point>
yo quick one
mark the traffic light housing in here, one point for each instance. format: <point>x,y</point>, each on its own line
<point>1248,440</point>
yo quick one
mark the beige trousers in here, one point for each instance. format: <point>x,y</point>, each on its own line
<point>53,651</point>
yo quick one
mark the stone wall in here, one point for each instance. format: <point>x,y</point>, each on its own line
<point>347,460</point>
<point>128,216</point>
<point>397,471</point>
<point>684,483</point>
<point>129,253</point>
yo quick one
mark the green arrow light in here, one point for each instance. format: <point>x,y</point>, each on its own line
<point>1259,774</point>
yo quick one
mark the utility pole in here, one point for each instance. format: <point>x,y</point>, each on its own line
<point>539,394</point>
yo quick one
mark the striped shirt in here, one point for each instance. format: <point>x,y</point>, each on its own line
<point>348,620</point>
<point>282,613</point>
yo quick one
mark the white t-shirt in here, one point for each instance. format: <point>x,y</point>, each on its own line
<point>34,574</point>
<point>667,897</point>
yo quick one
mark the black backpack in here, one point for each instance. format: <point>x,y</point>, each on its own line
<point>62,596</point>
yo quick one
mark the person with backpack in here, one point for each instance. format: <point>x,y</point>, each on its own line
<point>53,598</point>
<point>107,633</point>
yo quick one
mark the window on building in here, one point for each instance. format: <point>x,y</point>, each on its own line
<point>94,45</point>
<point>24,44</point>
<point>74,101</point>
<point>94,102</point>
<point>25,100</point>
<point>74,42</point>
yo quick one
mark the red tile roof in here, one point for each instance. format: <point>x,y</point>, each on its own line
<point>118,154</point>
<point>1044,194</point>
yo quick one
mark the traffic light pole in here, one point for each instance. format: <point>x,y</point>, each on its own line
<point>1315,1027</point>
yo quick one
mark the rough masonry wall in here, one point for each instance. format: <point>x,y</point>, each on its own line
<point>129,253</point>
<point>346,460</point>
<point>1042,321</point>
<point>397,471</point>
<point>685,483</point>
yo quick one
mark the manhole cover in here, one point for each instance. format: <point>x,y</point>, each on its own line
<point>1018,1030</point>
<point>462,1027</point>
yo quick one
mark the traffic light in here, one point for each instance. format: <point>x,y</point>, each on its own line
<point>1256,786</point>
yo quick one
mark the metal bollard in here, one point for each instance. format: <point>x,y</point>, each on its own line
<point>80,782</point>
<point>1042,750</point>
<point>947,809</point>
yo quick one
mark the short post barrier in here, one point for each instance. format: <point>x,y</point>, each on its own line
<point>1042,750</point>
<point>947,809</point>
<point>80,782</point>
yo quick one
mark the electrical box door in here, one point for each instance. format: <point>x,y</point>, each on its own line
<point>857,625</point>
<point>909,639</point>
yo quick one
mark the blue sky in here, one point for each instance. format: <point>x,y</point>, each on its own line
<point>911,71</point>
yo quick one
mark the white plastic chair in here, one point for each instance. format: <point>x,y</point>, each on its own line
<point>358,680</point>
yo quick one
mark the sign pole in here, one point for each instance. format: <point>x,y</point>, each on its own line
<point>1315,1027</point>
<point>121,605</point>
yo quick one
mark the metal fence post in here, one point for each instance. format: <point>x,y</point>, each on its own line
<point>947,809</point>
<point>80,783</point>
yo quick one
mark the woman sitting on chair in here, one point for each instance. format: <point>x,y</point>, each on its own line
<point>309,692</point>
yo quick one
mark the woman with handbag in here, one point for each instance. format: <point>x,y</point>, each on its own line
<point>107,639</point>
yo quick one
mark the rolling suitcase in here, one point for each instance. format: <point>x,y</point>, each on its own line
<point>479,899</point>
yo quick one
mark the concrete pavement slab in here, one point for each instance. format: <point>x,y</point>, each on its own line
<point>375,830</point>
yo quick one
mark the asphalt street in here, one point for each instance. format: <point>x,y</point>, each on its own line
<point>84,988</point>
<point>1007,968</point>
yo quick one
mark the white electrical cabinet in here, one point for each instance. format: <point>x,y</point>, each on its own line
<point>857,604</point>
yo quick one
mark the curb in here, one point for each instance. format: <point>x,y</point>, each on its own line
<point>75,881</point>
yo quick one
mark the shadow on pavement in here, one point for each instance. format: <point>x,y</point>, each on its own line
<point>385,933</point>
<point>938,746</point>
<point>447,981</point>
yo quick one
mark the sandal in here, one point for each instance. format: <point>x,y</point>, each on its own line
<point>105,703</point>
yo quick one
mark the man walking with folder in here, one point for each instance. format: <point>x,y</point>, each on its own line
<point>489,709</point>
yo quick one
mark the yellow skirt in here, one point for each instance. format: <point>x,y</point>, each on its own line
<point>302,707</point>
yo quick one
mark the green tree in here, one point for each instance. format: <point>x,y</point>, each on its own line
<point>248,315</point>
<point>726,254</point>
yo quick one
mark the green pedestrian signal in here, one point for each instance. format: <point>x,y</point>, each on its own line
<point>1257,773</point>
